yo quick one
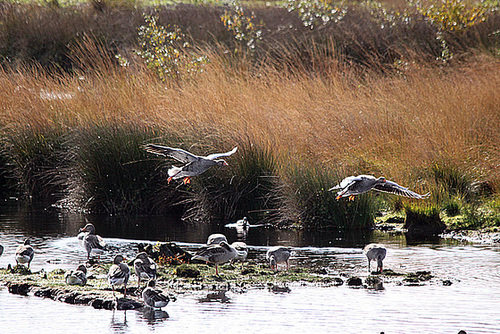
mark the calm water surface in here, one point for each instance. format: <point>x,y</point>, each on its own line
<point>471,303</point>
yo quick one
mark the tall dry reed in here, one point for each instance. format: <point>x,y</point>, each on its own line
<point>400,125</point>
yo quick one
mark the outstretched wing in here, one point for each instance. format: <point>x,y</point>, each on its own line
<point>345,183</point>
<point>220,155</point>
<point>176,153</point>
<point>394,188</point>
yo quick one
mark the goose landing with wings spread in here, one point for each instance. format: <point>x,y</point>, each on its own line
<point>194,164</point>
<point>355,185</point>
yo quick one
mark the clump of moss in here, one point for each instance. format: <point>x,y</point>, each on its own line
<point>417,277</point>
<point>19,269</point>
<point>186,271</point>
<point>423,221</point>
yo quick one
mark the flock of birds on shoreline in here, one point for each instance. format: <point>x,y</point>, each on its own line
<point>217,250</point>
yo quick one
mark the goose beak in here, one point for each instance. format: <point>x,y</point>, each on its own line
<point>338,197</point>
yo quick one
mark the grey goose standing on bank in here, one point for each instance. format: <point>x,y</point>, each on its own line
<point>25,253</point>
<point>91,242</point>
<point>144,266</point>
<point>194,164</point>
<point>118,274</point>
<point>216,254</point>
<point>356,185</point>
<point>277,255</point>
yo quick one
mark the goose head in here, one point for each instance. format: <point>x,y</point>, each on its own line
<point>88,228</point>
<point>221,163</point>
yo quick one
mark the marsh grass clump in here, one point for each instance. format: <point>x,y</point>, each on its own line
<point>305,198</point>
<point>34,155</point>
<point>455,181</point>
<point>423,220</point>
<point>111,173</point>
<point>244,188</point>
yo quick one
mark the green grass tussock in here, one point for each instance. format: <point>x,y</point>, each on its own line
<point>244,188</point>
<point>111,173</point>
<point>305,199</point>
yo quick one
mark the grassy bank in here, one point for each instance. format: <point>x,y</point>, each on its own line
<point>302,121</point>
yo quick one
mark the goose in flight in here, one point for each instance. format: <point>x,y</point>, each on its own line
<point>355,185</point>
<point>194,164</point>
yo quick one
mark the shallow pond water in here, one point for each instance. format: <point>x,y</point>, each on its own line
<point>471,303</point>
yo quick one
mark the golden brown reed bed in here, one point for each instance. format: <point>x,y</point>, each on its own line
<point>397,125</point>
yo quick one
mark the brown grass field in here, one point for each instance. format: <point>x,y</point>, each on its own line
<point>405,124</point>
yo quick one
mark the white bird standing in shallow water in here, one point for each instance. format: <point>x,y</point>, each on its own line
<point>375,252</point>
<point>25,253</point>
<point>91,242</point>
<point>154,298</point>
<point>277,255</point>
<point>216,254</point>
<point>194,164</point>
<point>355,185</point>
<point>118,274</point>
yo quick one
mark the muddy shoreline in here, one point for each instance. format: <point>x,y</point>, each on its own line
<point>199,279</point>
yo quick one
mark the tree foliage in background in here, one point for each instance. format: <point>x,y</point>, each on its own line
<point>317,12</point>
<point>166,52</point>
<point>247,32</point>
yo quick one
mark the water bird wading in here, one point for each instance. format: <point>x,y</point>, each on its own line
<point>356,185</point>
<point>91,242</point>
<point>25,253</point>
<point>277,255</point>
<point>118,274</point>
<point>375,252</point>
<point>154,298</point>
<point>194,164</point>
<point>216,254</point>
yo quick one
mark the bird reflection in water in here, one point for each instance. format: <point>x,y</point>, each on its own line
<point>118,323</point>
<point>152,316</point>
<point>217,296</point>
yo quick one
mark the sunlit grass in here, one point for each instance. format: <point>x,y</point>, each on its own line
<point>306,131</point>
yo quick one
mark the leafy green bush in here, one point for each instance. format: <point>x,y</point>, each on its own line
<point>166,52</point>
